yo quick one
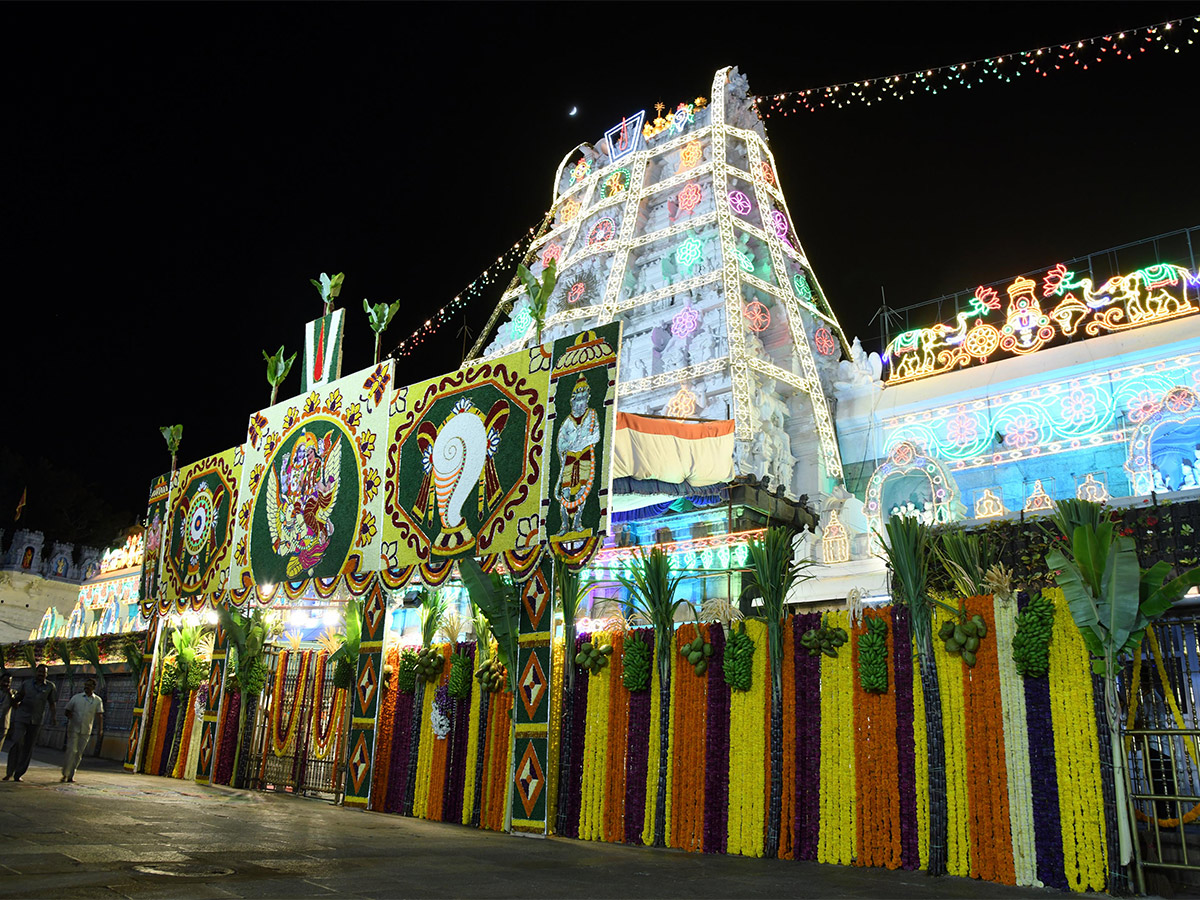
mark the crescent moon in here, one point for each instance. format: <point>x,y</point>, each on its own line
<point>574,110</point>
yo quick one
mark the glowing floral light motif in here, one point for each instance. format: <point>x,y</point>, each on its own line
<point>962,430</point>
<point>570,209</point>
<point>779,224</point>
<point>1039,500</point>
<point>1078,407</point>
<point>685,323</point>
<point>800,285</point>
<point>683,404</point>
<point>520,323</point>
<point>988,506</point>
<point>835,541</point>
<point>689,197</point>
<point>690,252</point>
<point>767,173</point>
<point>616,182</point>
<point>745,260</point>
<point>581,170</point>
<point>1092,490</point>
<point>823,338</point>
<point>740,203</point>
<point>757,316</point>
<point>1021,432</point>
<point>1144,405</point>
<point>553,251</point>
<point>576,292</point>
<point>690,155</point>
<point>604,230</point>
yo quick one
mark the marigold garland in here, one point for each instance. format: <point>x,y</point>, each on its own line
<point>1016,747</point>
<point>877,787</point>
<point>324,732</point>
<point>558,683</point>
<point>1076,754</point>
<point>381,774</point>
<point>595,750</point>
<point>284,735</point>
<point>618,735</point>
<point>186,739</point>
<point>950,679</point>
<point>747,755</point>
<point>689,707</point>
<point>836,843</point>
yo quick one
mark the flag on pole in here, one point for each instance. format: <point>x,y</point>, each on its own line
<point>20,505</point>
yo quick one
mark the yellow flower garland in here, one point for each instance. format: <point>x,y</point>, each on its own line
<point>1016,747</point>
<point>921,747</point>
<point>836,840</point>
<point>424,756</point>
<point>1076,753</point>
<point>652,755</point>
<point>558,685</point>
<point>595,755</point>
<point>747,754</point>
<point>950,679</point>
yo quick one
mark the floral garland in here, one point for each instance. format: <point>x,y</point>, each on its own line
<point>950,678</point>
<point>326,737</point>
<point>651,794</point>
<point>1077,754</point>
<point>223,767</point>
<point>807,674</point>
<point>424,758</point>
<point>689,726</point>
<point>595,750</point>
<point>637,751</point>
<point>1043,779</point>
<point>837,828</point>
<point>578,734</point>
<point>987,771</point>
<point>458,759</point>
<point>618,728</point>
<point>401,726</point>
<point>906,764</point>
<point>877,787</point>
<point>283,735</point>
<point>921,756</point>
<point>787,813</point>
<point>747,753</point>
<point>1016,747</point>
<point>439,749</point>
<point>381,775</point>
<point>557,679</point>
<point>716,747</point>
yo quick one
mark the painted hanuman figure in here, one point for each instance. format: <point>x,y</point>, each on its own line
<point>577,438</point>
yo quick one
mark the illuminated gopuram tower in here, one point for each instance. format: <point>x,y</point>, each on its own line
<point>677,226</point>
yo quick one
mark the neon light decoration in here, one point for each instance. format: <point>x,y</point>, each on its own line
<point>690,155</point>
<point>1039,500</point>
<point>1154,294</point>
<point>715,552</point>
<point>745,260</point>
<point>800,286</point>
<point>625,138</point>
<point>779,224</point>
<point>569,210</point>
<point>823,339</point>
<point>768,173</point>
<point>757,316</point>
<point>581,171</point>
<point>1091,489</point>
<point>605,229</point>
<point>989,506</point>
<point>938,498</point>
<point>576,292</point>
<point>683,116</point>
<point>690,252</point>
<point>740,203</point>
<point>835,541</point>
<point>617,182</point>
<point>683,404</point>
<point>520,323</point>
<point>552,251</point>
<point>685,323</point>
<point>1164,451</point>
<point>689,197</point>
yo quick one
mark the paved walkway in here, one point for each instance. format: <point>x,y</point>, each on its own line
<point>114,835</point>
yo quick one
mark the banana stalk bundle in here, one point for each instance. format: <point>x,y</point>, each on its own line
<point>406,671</point>
<point>491,675</point>
<point>635,664</point>
<point>823,640</point>
<point>459,684</point>
<point>739,659</point>
<point>873,657</point>
<point>1031,643</point>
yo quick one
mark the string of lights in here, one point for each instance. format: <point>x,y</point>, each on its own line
<point>1170,36</point>
<point>485,279</point>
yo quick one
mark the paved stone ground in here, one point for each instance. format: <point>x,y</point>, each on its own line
<point>89,839</point>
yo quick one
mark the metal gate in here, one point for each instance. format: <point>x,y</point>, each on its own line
<point>300,729</point>
<point>1162,743</point>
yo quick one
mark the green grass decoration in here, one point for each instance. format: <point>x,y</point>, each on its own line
<point>1031,643</point>
<point>873,657</point>
<point>739,660</point>
<point>635,664</point>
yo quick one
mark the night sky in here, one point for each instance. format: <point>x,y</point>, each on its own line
<point>177,173</point>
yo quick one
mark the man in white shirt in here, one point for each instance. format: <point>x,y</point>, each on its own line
<point>82,710</point>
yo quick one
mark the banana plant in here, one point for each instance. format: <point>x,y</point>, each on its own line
<point>248,635</point>
<point>173,435</point>
<point>189,674</point>
<point>496,598</point>
<point>1112,601</point>
<point>135,657</point>
<point>278,366</point>
<point>539,293</point>
<point>345,658</point>
<point>328,288</point>
<point>651,588</point>
<point>774,571</point>
<point>379,316</point>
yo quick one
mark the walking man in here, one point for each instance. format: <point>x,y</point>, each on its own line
<point>6,704</point>
<point>30,713</point>
<point>82,710</point>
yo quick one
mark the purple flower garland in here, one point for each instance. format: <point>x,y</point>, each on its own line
<point>716,756</point>
<point>228,742</point>
<point>637,751</point>
<point>906,763</point>
<point>460,727</point>
<point>1043,774</point>
<point>574,770</point>
<point>398,762</point>
<point>808,740</point>
<point>173,715</point>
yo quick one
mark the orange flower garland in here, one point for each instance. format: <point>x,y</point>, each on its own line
<point>689,717</point>
<point>877,789</point>
<point>188,711</point>
<point>282,737</point>
<point>987,779</point>
<point>441,750</point>
<point>383,727</point>
<point>618,730</point>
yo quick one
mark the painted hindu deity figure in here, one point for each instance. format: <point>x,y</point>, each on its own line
<point>301,499</point>
<point>577,439</point>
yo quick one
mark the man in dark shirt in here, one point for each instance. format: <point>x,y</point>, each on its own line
<point>27,719</point>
